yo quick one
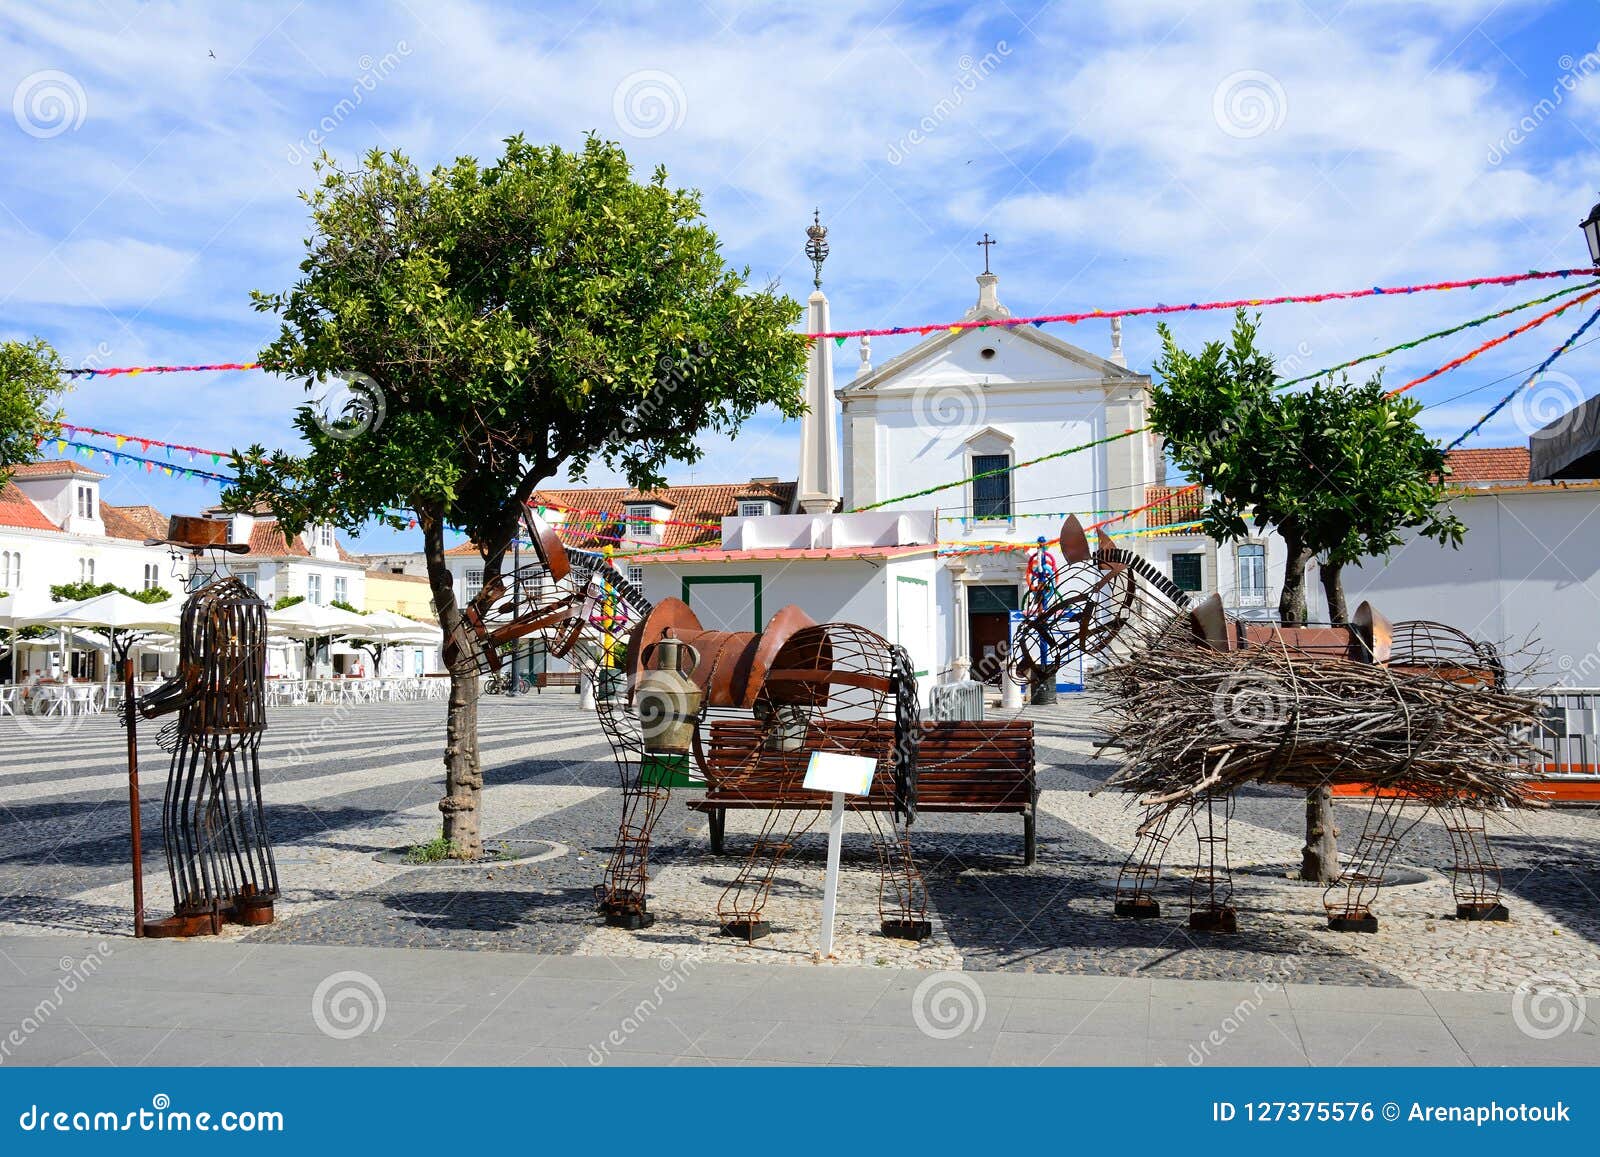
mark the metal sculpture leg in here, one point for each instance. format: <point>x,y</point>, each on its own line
<point>1475,875</point>
<point>623,890</point>
<point>1211,889</point>
<point>1141,871</point>
<point>1349,899</point>
<point>742,904</point>
<point>902,892</point>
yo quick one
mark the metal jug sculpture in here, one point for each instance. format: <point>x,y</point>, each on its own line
<point>668,699</point>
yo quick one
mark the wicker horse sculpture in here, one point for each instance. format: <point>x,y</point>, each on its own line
<point>1415,715</point>
<point>807,686</point>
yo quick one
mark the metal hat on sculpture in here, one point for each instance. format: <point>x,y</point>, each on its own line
<point>198,534</point>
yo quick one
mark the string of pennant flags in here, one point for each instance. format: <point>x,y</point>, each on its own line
<point>592,520</point>
<point>1160,308</point>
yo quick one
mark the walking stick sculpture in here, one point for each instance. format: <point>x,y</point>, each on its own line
<point>214,826</point>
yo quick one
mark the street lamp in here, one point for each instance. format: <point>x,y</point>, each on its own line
<point>1591,233</point>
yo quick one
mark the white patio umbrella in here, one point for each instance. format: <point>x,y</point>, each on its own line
<point>314,621</point>
<point>113,612</point>
<point>389,627</point>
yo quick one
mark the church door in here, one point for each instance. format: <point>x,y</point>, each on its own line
<point>989,610</point>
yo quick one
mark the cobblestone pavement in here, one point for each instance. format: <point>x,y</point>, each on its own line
<point>344,784</point>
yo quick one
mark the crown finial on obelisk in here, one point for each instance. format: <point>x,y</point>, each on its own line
<point>817,245</point>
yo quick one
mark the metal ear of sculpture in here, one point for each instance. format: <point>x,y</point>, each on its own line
<point>1074,543</point>
<point>1374,632</point>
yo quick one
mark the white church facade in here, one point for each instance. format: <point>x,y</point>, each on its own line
<point>878,535</point>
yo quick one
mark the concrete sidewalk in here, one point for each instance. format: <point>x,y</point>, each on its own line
<point>85,1001</point>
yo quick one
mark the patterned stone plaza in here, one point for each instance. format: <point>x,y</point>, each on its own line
<point>346,784</point>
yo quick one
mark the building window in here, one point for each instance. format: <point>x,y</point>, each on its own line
<point>86,570</point>
<point>1186,571</point>
<point>152,576</point>
<point>474,582</point>
<point>86,502</point>
<point>341,589</point>
<point>991,496</point>
<point>752,509</point>
<point>248,578</point>
<point>314,588</point>
<point>640,524</point>
<point>636,574</point>
<point>1253,573</point>
<point>11,569</point>
<point>325,535</point>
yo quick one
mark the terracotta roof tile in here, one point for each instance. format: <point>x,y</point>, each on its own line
<point>135,522</point>
<point>1489,464</point>
<point>1173,504</point>
<point>267,541</point>
<point>53,469</point>
<point>17,510</point>
<point>596,514</point>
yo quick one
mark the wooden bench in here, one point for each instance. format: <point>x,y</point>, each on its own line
<point>555,679</point>
<point>962,766</point>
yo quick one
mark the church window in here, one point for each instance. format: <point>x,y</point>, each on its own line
<point>1186,571</point>
<point>991,492</point>
<point>986,352</point>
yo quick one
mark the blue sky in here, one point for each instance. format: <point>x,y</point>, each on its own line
<point>1123,154</point>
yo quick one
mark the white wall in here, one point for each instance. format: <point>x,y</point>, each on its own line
<point>1529,565</point>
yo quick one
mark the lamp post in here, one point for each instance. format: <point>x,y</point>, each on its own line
<point>516,647</point>
<point>1591,233</point>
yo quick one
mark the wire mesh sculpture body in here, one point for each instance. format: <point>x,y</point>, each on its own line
<point>863,703</point>
<point>218,850</point>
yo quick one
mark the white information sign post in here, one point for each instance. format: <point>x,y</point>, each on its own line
<point>841,775</point>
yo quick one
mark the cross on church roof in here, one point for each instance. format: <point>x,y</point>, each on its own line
<point>986,242</point>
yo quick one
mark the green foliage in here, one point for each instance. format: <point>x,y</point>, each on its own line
<point>288,601</point>
<point>340,604</point>
<point>30,381</point>
<point>76,592</point>
<point>1337,469</point>
<point>539,313</point>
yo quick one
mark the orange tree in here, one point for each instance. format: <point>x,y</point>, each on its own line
<point>498,324</point>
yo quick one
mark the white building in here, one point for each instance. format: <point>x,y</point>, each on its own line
<point>55,530</point>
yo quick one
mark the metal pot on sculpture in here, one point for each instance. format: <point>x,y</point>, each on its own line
<point>669,703</point>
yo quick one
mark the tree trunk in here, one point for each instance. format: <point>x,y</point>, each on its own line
<point>463,773</point>
<point>1292,602</point>
<point>1319,859</point>
<point>1333,588</point>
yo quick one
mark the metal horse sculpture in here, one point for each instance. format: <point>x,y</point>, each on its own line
<point>1108,603</point>
<point>214,827</point>
<point>807,686</point>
